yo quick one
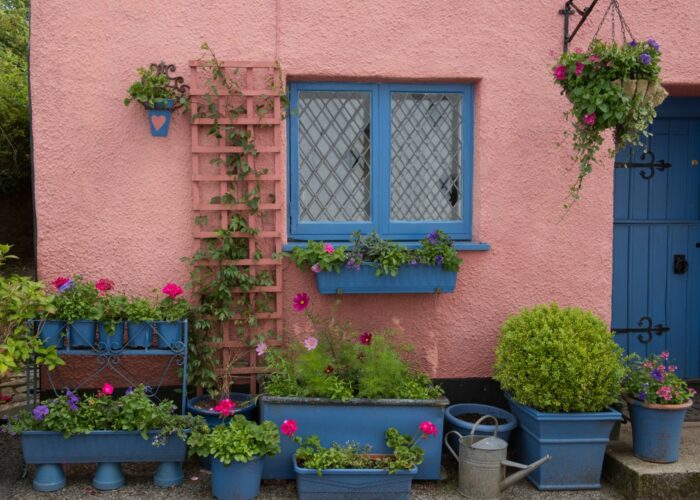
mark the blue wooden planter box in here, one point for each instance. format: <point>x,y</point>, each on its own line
<point>575,441</point>
<point>353,484</point>
<point>411,279</point>
<point>361,420</point>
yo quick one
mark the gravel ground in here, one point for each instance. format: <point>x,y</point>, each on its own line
<point>139,484</point>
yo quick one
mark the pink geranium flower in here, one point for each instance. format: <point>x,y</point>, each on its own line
<point>172,290</point>
<point>104,285</point>
<point>560,72</point>
<point>289,427</point>
<point>579,69</point>
<point>107,389</point>
<point>225,407</point>
<point>428,429</point>
<point>301,302</point>
<point>59,282</point>
<point>589,119</point>
<point>329,248</point>
<point>310,343</point>
<point>664,355</point>
<point>316,268</point>
<point>594,58</point>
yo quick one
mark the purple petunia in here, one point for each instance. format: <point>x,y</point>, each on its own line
<point>657,375</point>
<point>413,262</point>
<point>129,390</point>
<point>66,286</point>
<point>633,43</point>
<point>438,260</point>
<point>350,262</point>
<point>653,44</point>
<point>645,58</point>
<point>642,396</point>
<point>433,238</point>
<point>40,412</point>
<point>73,400</point>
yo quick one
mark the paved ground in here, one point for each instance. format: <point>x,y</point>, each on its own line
<point>139,484</point>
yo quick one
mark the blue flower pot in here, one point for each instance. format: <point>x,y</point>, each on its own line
<point>575,441</point>
<point>139,334</point>
<point>51,333</point>
<point>410,279</point>
<point>159,117</point>
<point>656,430</point>
<point>212,418</point>
<point>169,335</point>
<point>112,341</point>
<point>452,423</point>
<point>82,334</point>
<point>352,484</point>
<point>237,480</point>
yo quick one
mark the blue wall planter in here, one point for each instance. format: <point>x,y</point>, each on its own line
<point>656,430</point>
<point>82,333</point>
<point>237,480</point>
<point>452,423</point>
<point>353,483</point>
<point>169,335</point>
<point>159,117</point>
<point>575,441</point>
<point>113,341</point>
<point>411,279</point>
<point>139,334</point>
<point>107,448</point>
<point>52,333</point>
<point>362,420</point>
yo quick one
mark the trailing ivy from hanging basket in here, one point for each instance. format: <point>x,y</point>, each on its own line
<point>609,86</point>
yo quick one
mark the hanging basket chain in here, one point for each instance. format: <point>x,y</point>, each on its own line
<point>613,10</point>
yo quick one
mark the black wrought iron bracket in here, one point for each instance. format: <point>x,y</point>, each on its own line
<point>652,165</point>
<point>571,9</point>
<point>177,83</point>
<point>645,327</point>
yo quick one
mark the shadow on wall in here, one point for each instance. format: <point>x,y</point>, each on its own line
<point>17,229</point>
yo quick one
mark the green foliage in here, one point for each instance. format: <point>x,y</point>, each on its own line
<point>559,360</point>
<point>112,309</point>
<point>150,89</point>
<point>595,90</point>
<point>405,454</point>
<point>240,440</point>
<point>132,412</point>
<point>79,302</point>
<point>140,309</point>
<point>22,299</point>
<point>168,309</point>
<point>654,380</point>
<point>342,366</point>
<point>15,159</point>
<point>385,256</point>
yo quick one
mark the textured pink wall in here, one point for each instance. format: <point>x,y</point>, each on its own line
<point>113,201</point>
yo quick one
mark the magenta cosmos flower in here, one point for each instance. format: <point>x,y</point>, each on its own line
<point>301,302</point>
<point>366,338</point>
<point>310,343</point>
<point>172,290</point>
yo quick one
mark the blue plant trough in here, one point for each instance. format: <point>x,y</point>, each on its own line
<point>139,334</point>
<point>237,480</point>
<point>169,335</point>
<point>213,418</point>
<point>113,341</point>
<point>82,334</point>
<point>159,117</point>
<point>656,430</point>
<point>353,484</point>
<point>410,279</point>
<point>49,449</point>
<point>51,333</point>
<point>454,423</point>
<point>575,441</point>
<point>361,420</point>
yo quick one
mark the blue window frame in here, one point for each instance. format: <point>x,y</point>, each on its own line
<point>394,158</point>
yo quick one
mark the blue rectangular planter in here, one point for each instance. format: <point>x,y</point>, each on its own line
<point>575,441</point>
<point>44,447</point>
<point>411,279</point>
<point>361,420</point>
<point>353,484</point>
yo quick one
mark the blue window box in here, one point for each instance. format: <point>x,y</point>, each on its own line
<point>353,483</point>
<point>364,421</point>
<point>411,279</point>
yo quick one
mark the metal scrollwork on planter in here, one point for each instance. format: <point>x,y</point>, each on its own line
<point>177,82</point>
<point>652,165</point>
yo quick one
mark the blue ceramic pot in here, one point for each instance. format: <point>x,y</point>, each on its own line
<point>51,333</point>
<point>112,341</point>
<point>452,423</point>
<point>169,335</point>
<point>159,117</point>
<point>139,334</point>
<point>237,480</point>
<point>656,430</point>
<point>82,334</point>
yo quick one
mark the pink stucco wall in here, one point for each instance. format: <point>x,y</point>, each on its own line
<point>113,201</point>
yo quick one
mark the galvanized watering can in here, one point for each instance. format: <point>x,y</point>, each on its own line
<point>482,464</point>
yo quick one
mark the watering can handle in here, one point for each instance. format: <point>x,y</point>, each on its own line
<point>495,420</point>
<point>448,444</point>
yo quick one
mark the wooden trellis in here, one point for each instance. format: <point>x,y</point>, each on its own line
<point>258,87</point>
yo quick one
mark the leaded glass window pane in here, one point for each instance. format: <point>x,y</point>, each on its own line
<point>334,156</point>
<point>426,156</point>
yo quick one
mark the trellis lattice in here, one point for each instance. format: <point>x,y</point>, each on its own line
<point>218,188</point>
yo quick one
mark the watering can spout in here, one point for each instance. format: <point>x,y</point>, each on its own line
<point>526,469</point>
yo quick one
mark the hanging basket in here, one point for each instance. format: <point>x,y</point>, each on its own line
<point>647,91</point>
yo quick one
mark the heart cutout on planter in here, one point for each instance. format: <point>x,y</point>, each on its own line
<point>158,122</point>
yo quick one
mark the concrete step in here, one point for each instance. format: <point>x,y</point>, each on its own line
<point>637,479</point>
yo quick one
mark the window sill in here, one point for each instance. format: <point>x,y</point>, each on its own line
<point>462,246</point>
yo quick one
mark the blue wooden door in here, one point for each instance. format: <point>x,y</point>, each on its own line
<point>656,240</point>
